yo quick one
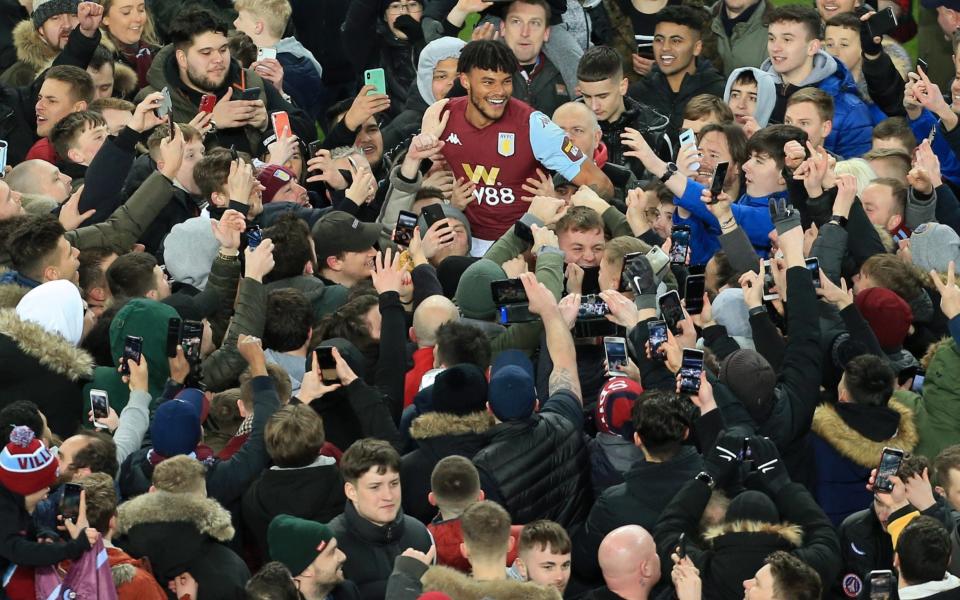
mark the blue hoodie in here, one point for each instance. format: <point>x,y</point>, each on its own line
<point>852,121</point>
<point>751,213</point>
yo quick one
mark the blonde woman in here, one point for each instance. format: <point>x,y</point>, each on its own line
<point>128,31</point>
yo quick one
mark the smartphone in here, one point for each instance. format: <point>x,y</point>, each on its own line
<point>403,233</point>
<point>100,405</point>
<point>173,336</point>
<point>693,293</point>
<point>658,337</point>
<point>508,291</point>
<point>315,147</point>
<point>679,244</point>
<point>247,94</point>
<point>922,64</point>
<point>689,137</point>
<point>691,367</point>
<point>719,176</point>
<point>3,157</point>
<point>254,236</point>
<point>768,282</point>
<point>682,546</point>
<point>645,50</point>
<point>166,104</point>
<point>616,350</point>
<point>882,23</point>
<point>132,347</point>
<point>377,79</point>
<point>917,386</point>
<point>515,313</point>
<point>265,53</point>
<point>881,585</point>
<point>328,365</point>
<point>281,123</point>
<point>890,461</point>
<point>592,307</point>
<point>813,265</point>
<point>207,103</point>
<point>70,501</point>
<point>432,213</point>
<point>671,311</point>
<point>192,337</point>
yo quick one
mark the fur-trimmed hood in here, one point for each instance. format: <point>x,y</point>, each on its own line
<point>124,78</point>
<point>205,514</point>
<point>828,424</point>
<point>10,293</point>
<point>793,534</point>
<point>51,350</point>
<point>434,424</point>
<point>458,585</point>
<point>31,48</point>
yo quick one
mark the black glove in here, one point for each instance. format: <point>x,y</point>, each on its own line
<point>723,461</point>
<point>784,216</point>
<point>867,45</point>
<point>768,465</point>
<point>410,27</point>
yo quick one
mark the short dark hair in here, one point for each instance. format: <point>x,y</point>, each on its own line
<point>192,22</point>
<point>924,550</point>
<point>427,192</point>
<point>845,20</point>
<point>80,82</point>
<point>659,418</point>
<point>69,128</point>
<point>294,436</point>
<point>486,528</point>
<point>949,458</point>
<point>541,3</point>
<point>32,242</point>
<point>101,56</point>
<point>272,582</point>
<point>736,139</point>
<point>796,13</point>
<point>291,247</point>
<point>771,139</point>
<point>131,275</point>
<point>544,534</point>
<point>579,218</point>
<point>366,454</point>
<point>455,482</point>
<point>348,322</point>
<point>91,273</point>
<point>242,48</point>
<point>289,320</point>
<point>20,412</point>
<point>459,343</point>
<point>101,104</point>
<point>793,578</point>
<point>99,455</point>
<point>688,16</point>
<point>895,127</point>
<point>211,171</point>
<point>599,64</point>
<point>487,55</point>
<point>870,380</point>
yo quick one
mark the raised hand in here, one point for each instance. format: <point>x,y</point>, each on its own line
<point>435,119</point>
<point>70,216</point>
<point>387,276</point>
<point>949,292</point>
<point>364,106</point>
<point>541,185</point>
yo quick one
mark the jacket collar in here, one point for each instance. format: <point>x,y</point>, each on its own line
<point>52,350</point>
<point>792,534</point>
<point>31,49</point>
<point>828,424</point>
<point>371,532</point>
<point>205,514</point>
<point>436,424</point>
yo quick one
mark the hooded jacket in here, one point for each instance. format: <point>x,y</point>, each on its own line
<point>438,435</point>
<point>847,443</point>
<point>655,91</point>
<point>411,577</point>
<point>766,92</point>
<point>936,412</point>
<point>302,75</point>
<point>852,123</point>
<point>183,532</point>
<point>746,44</point>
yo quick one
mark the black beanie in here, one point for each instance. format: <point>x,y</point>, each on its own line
<point>460,390</point>
<point>752,505</point>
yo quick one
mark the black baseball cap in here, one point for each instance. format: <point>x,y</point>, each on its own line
<point>338,232</point>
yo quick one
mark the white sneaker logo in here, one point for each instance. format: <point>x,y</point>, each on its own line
<point>453,139</point>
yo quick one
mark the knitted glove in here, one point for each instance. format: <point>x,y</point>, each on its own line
<point>784,216</point>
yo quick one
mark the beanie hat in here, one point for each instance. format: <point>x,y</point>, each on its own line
<point>933,246</point>
<point>189,250</point>
<point>26,465</point>
<point>452,212</point>
<point>175,428</point>
<point>44,9</point>
<point>615,406</point>
<point>751,379</point>
<point>295,542</point>
<point>272,178</point>
<point>752,505</point>
<point>731,311</point>
<point>888,314</point>
<point>473,292</point>
<point>198,399</point>
<point>460,390</point>
<point>512,394</point>
<point>450,270</point>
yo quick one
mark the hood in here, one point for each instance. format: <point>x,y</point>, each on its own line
<point>434,424</point>
<point>865,452</point>
<point>37,204</point>
<point>124,78</point>
<point>433,53</point>
<point>31,49</point>
<point>147,319</point>
<point>730,311</point>
<point>766,93</point>
<point>11,294</point>
<point>52,350</point>
<point>793,534</point>
<point>189,250</point>
<point>825,67</point>
<point>462,587</point>
<point>205,514</point>
<point>292,45</point>
<point>295,366</point>
<point>57,307</point>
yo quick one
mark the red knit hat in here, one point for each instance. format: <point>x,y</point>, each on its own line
<point>615,406</point>
<point>888,314</point>
<point>274,177</point>
<point>26,465</point>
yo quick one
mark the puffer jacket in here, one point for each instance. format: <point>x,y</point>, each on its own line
<point>645,119</point>
<point>539,468</point>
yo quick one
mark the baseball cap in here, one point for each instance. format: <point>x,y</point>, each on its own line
<point>338,232</point>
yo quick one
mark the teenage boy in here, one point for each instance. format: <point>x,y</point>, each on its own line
<point>751,95</point>
<point>797,61</point>
<point>678,76</point>
<point>76,139</point>
<point>812,109</point>
<point>543,555</point>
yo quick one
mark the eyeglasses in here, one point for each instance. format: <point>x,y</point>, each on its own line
<point>412,8</point>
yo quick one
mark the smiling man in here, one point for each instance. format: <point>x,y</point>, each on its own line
<point>311,553</point>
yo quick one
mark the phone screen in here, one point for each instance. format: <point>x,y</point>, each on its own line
<point>99,404</point>
<point>690,370</point>
<point>508,291</point>
<point>658,336</point>
<point>693,293</point>
<point>813,265</point>
<point>3,157</point>
<point>328,365</point>
<point>881,585</point>
<point>679,244</point>
<point>671,311</point>
<point>70,501</point>
<point>592,307</point>
<point>132,346</point>
<point>768,283</point>
<point>192,335</point>
<point>406,221</point>
<point>882,23</point>
<point>616,351</point>
<point>917,386</point>
<point>254,236</point>
<point>719,176</point>
<point>889,465</point>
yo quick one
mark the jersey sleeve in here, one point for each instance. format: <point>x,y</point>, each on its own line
<point>552,148</point>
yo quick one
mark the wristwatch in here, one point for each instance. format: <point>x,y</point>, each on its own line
<point>706,478</point>
<point>671,169</point>
<point>839,220</point>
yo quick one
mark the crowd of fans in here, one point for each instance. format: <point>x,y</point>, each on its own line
<point>617,299</point>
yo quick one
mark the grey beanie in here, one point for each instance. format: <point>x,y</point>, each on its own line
<point>766,93</point>
<point>189,250</point>
<point>933,246</point>
<point>44,9</point>
<point>731,311</point>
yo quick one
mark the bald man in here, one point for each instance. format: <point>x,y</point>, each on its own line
<point>429,316</point>
<point>40,178</point>
<point>630,565</point>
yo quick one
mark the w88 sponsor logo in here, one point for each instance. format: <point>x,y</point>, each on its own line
<point>492,196</point>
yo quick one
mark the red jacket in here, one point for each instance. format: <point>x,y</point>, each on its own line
<point>448,535</point>
<point>422,362</point>
<point>43,150</point>
<point>133,578</point>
